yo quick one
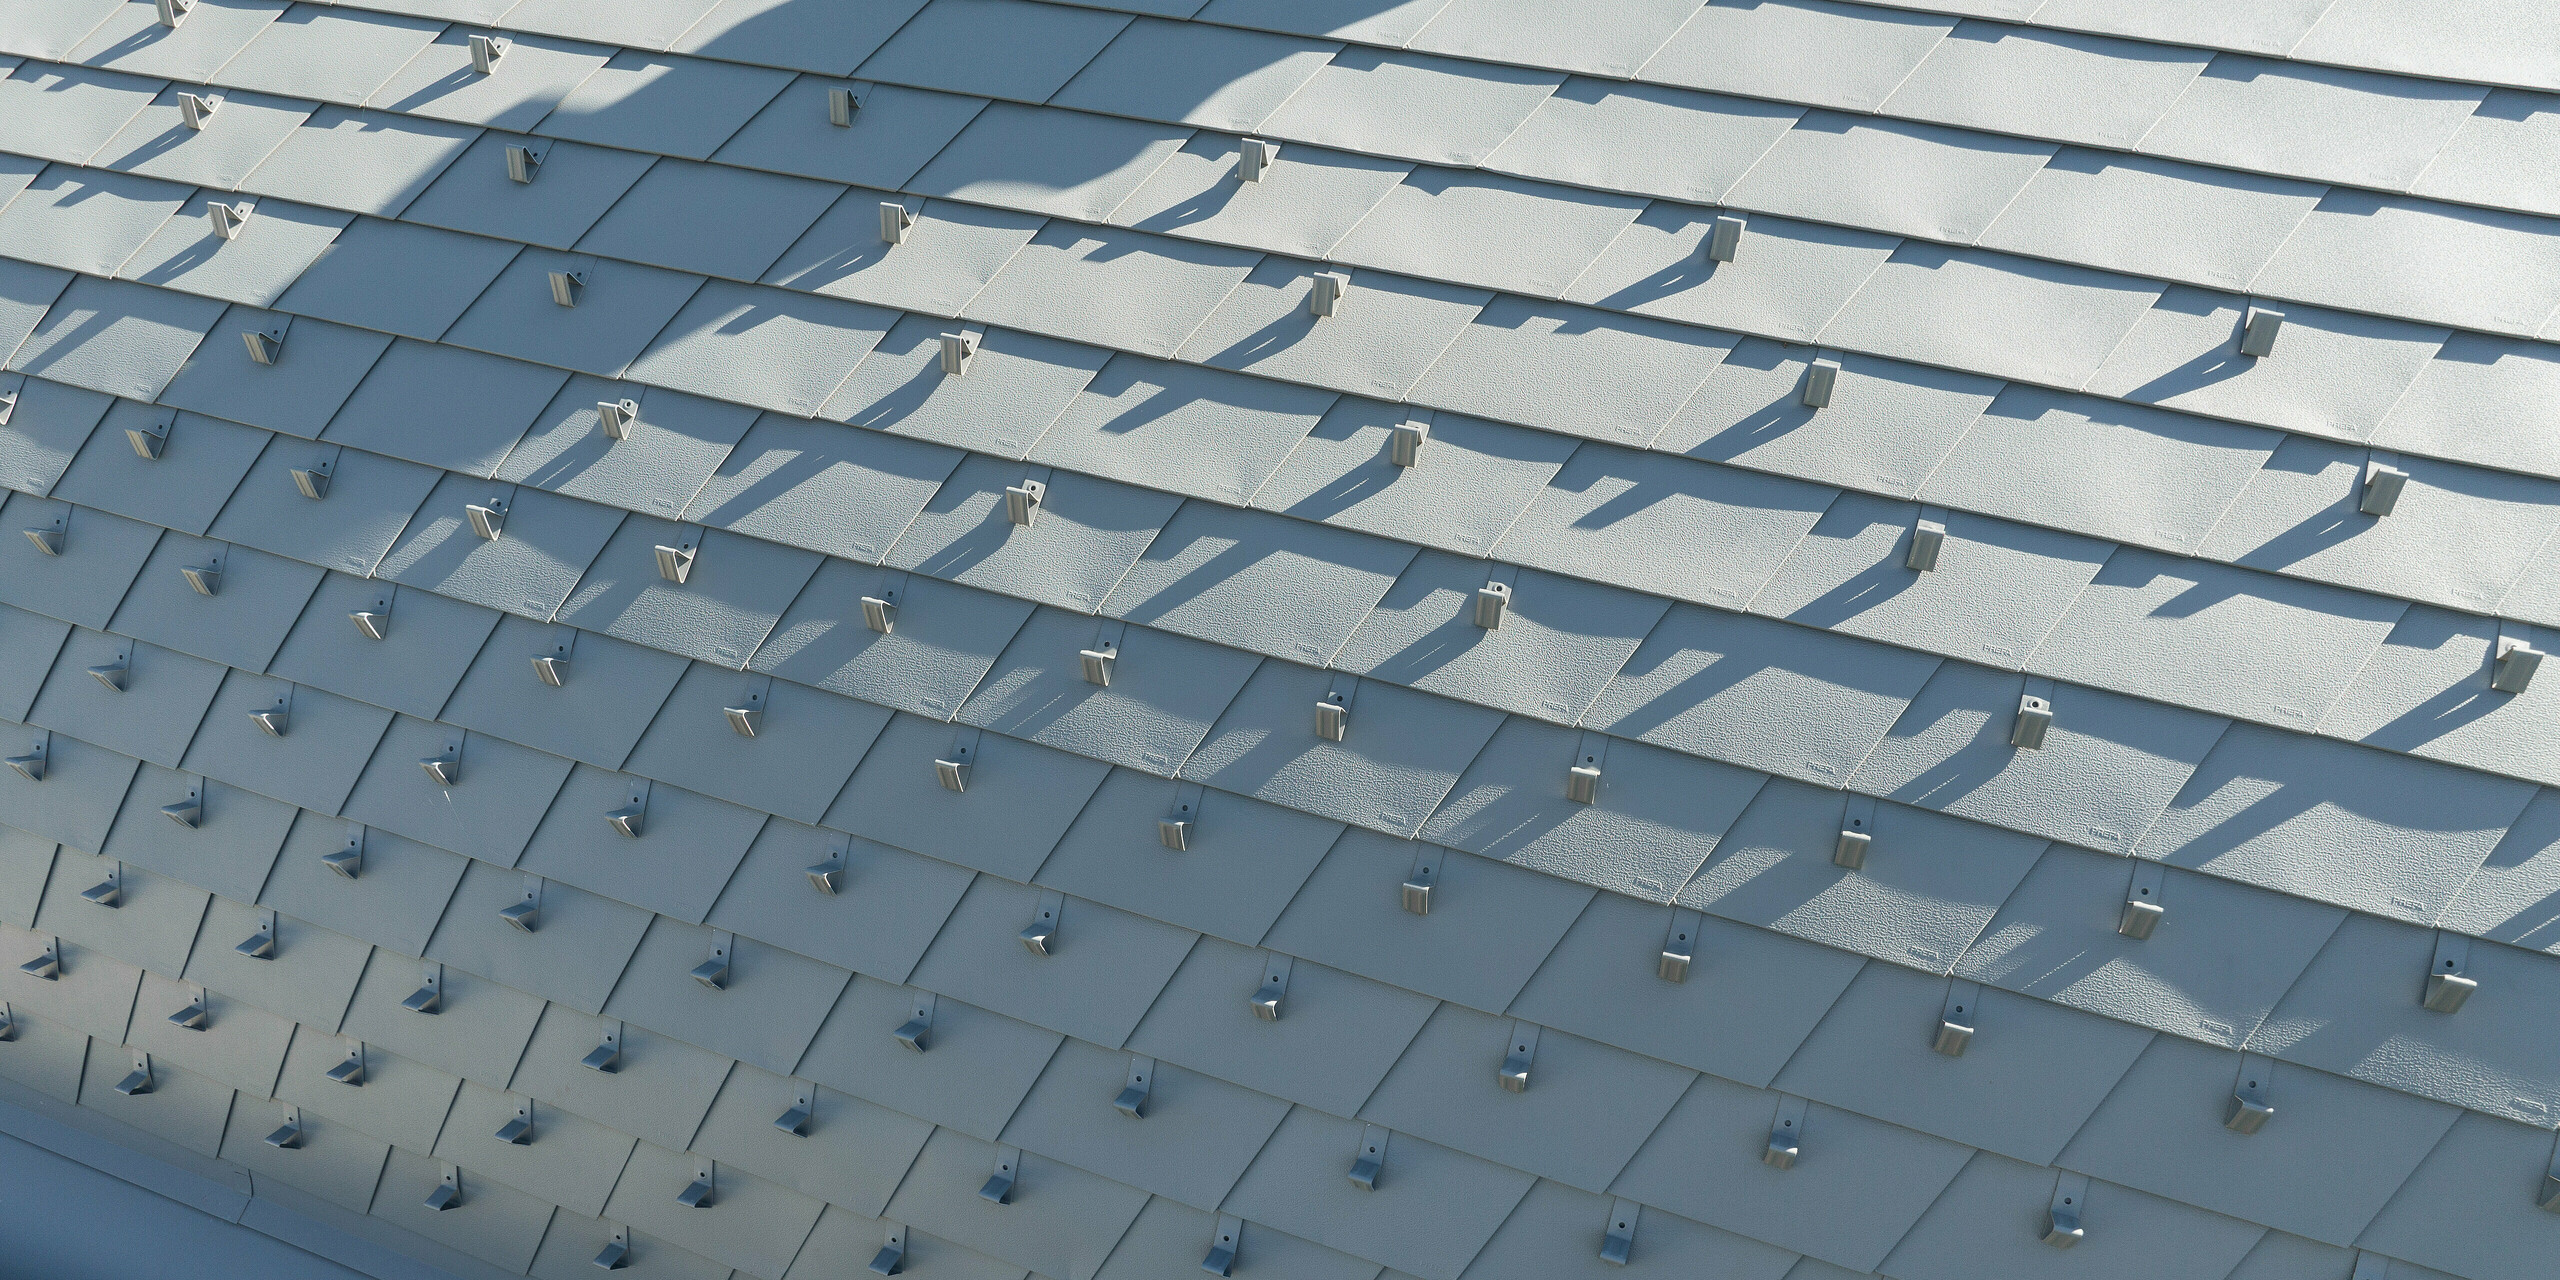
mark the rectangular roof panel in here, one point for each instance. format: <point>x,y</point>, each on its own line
<point>403,1100</point>
<point>1295,1184</point>
<point>1185,428</point>
<point>401,408</point>
<point>397,899</point>
<point>976,1069</point>
<point>2269,29</point>
<point>85,220</point>
<point>51,31</point>
<point>510,785</point>
<point>1590,1106</point>
<point>880,920</point>
<point>2388,834</point>
<point>571,1159</point>
<point>1387,774</point>
<point>2317,123</point>
<point>1928,888</point>
<point>1383,336</point>
<point>850,1150</point>
<point>309,978</point>
<point>2451,1211</point>
<point>45,431</point>
<point>132,39</point>
<point>1102,971</point>
<point>1623,517</point>
<point>619,309</point>
<point>1124,289</point>
<point>941,643</point>
<point>2046,84</point>
<point>546,544</point>
<point>1490,925</point>
<point>663,103</point>
<point>766,1015</point>
<point>187,255</point>
<point>1213,76</point>
<point>2225,640</point>
<point>315,51</point>
<point>672,446</point>
<point>2420,260</point>
<point>1560,642</point>
<point>1332,1060</point>
<point>1834,55</point>
<point>661,219</point>
<point>185,496</point>
<point>1241,863</point>
<point>1849,1208</point>
<point>156,730</point>
<point>651,24</point>
<point>1985,1221</point>
<point>2055,939</point>
<point>782,33</point>
<point>1950,752</point>
<point>412,669</point>
<point>1390,23</point>
<point>26,291</point>
<point>749,1222</point>
<point>2471,535</point>
<point>1657,815</point>
<point>1522,31</point>
<point>2156,217</point>
<point>2504,900</point>
<point>1787,283</point>
<point>802,752</point>
<point>1016,386</point>
<point>1479,476</point>
<point>261,596</point>
<point>659,1090</point>
<point>1992,313</point>
<point>2325,1178</point>
<point>996,48</point>
<point>366,161</point>
<point>842,492</point>
<point>2029,1079</point>
<point>1435,110</point>
<point>67,113</point>
<point>478,1031</point>
<point>325,745</point>
<point>229,852</point>
<point>439,84</point>
<point>154,923</point>
<point>1020,799</point>
<point>1611,135</point>
<point>397,277</point>
<point>112,336</point>
<point>1997,589</point>
<point>1063,1220</point>
<point>1199,1132</point>
<point>93,995</point>
<point>28,643</point>
<point>608,694</point>
<point>1165,692</point>
<point>736,591</point>
<point>895,130</point>
<point>1573,371</point>
<point>2474,382</point>
<point>772,348</point>
<point>1597,983</point>
<point>1167,1235</point>
<point>2486,160</point>
<point>953,250</point>
<point>1254,593</point>
<point>1311,198</point>
<point>687,845</point>
<point>574,955</point>
<point>2100,467</point>
<point>1488,230</point>
<point>474,193</point>
<point>375,497</point>
<point>506,1232</point>
<point>2339,375</point>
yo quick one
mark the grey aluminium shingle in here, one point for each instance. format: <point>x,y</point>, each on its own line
<point>1560,642</point>
<point>439,82</point>
<point>2456,1210</point>
<point>85,220</point>
<point>1572,370</point>
<point>326,742</point>
<point>940,644</point>
<point>766,1014</point>
<point>771,348</point>
<point>2485,160</point>
<point>1388,774</point>
<point>1603,981</point>
<point>804,747</point>
<point>1167,1236</point>
<point>651,24</point>
<point>1433,1209</point>
<point>2339,374</point>
<point>2420,260</point>
<point>1889,175</point>
<point>661,219</point>
<point>735,592</point>
<point>309,978</point>
<point>2324,1177</point>
<point>2320,123</point>
<point>1241,862</point>
<point>510,787</point>
<point>576,951</point>
<point>1198,1132</point>
<point>1835,55</point>
<point>374,498</point>
<point>186,254</point>
<point>1241,579</point>
<point>1435,110</point>
<point>499,1225</point>
<point>1787,284</point>
<point>609,691</point>
<point>1544,1239</point>
<point>1165,691</point>
<point>1479,476</point>
<point>92,996</point>
<point>1515,32</point>
<point>398,277</point>
<point>228,852</point>
<point>673,863</point>
<point>316,51</point>
<point>658,1091</point>
<point>428,644</point>
<point>886,909</point>
<point>131,38</point>
<point>1381,339</point>
<point>1490,925</point>
<point>395,900</point>
<point>1991,313</point>
<point>2270,29</point>
<point>1995,592</point>
<point>153,925</point>
<point>1063,1220</point>
<point>2474,381</point>
<point>781,33</point>
<point>2021,80</point>
<point>1103,968</point>
<point>403,1101</point>
<point>617,311</point>
<point>974,1072</point>
<point>28,644</point>
<point>2239,948</point>
<point>67,113</point>
<point>1196,73</point>
<point>2507,898</point>
<point>2325,820</point>
<point>2102,468</point>
<point>849,1151</point>
<point>1340,1036</point>
<point>998,48</point>
<point>1988,1218</point>
<point>207,457</point>
<point>953,249</point>
<point>1312,198</point>
<point>570,1159</point>
<point>1951,752</point>
<point>1185,428</point>
<point>402,408</point>
<point>261,596</point>
<point>749,1223</point>
<point>52,31</point>
<point>1367,21</point>
<point>113,336</point>
<point>475,194</point>
<point>830,489</point>
<point>666,453</point>
<point>45,430</point>
<point>1016,385</point>
<point>2153,217</point>
<point>895,132</point>
<point>83,584</point>
<point>2217,639</point>
<point>1019,800</point>
<point>1622,517</point>
<point>545,544</point>
<point>663,103</point>
<point>478,1031</point>
<point>365,161</point>
<point>1610,134</point>
<point>1123,289</point>
<point>1488,230</point>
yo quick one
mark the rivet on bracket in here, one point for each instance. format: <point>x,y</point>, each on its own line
<point>1370,1160</point>
<point>2070,1201</point>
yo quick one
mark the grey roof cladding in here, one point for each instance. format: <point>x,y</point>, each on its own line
<point>1621,429</point>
